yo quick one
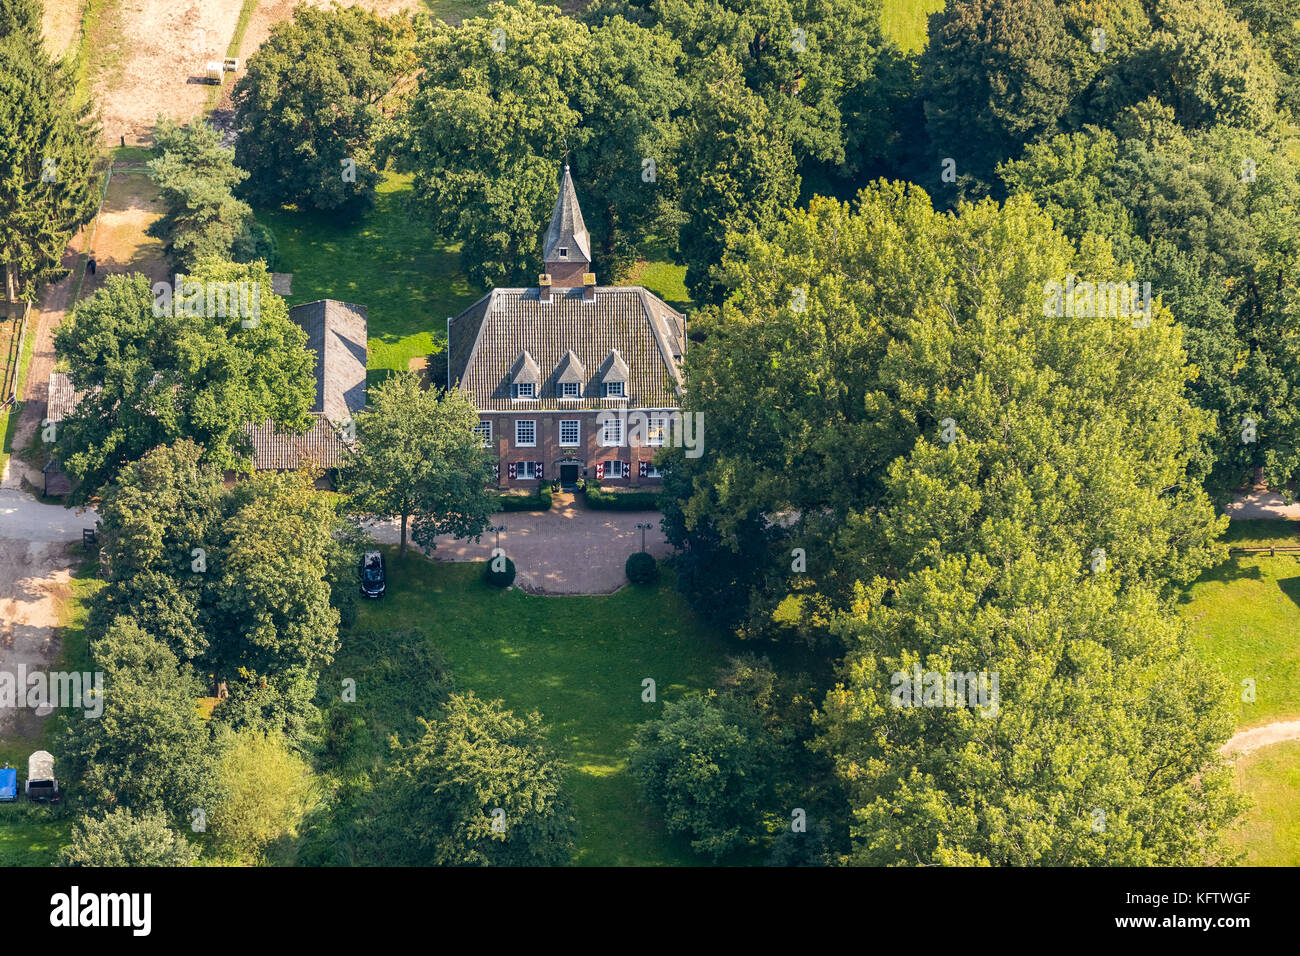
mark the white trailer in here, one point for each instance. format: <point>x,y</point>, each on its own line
<point>41,784</point>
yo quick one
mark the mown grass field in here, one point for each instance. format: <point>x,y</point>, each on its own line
<point>1271,778</point>
<point>408,280</point>
<point>1245,617</point>
<point>579,661</point>
<point>904,21</point>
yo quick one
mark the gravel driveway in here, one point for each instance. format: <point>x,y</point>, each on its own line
<point>567,550</point>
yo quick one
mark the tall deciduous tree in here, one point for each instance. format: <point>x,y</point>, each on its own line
<point>1092,739</point>
<point>419,460</point>
<point>150,378</point>
<point>857,337</point>
<point>706,765</point>
<point>479,787</point>
<point>737,172</point>
<point>149,749</point>
<point>996,74</point>
<point>157,524</point>
<point>310,104</point>
<point>273,625</point>
<point>803,58</point>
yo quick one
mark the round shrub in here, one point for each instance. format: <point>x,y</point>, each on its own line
<point>641,568</point>
<point>503,578</point>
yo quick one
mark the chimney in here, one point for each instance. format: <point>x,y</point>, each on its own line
<point>544,288</point>
<point>588,286</point>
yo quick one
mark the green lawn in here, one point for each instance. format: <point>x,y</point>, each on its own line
<point>579,661</point>
<point>904,21</point>
<point>1271,778</point>
<point>1245,617</point>
<point>408,280</point>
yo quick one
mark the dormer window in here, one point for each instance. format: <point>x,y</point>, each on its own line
<point>570,390</point>
<point>564,252</point>
<point>524,377</point>
<point>616,390</point>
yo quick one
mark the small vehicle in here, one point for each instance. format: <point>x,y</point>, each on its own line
<point>8,784</point>
<point>373,579</point>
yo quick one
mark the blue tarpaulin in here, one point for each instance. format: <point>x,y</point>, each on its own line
<point>8,784</point>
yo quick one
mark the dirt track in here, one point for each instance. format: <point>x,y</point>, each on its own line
<point>35,568</point>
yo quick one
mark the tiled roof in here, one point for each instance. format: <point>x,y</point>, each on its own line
<point>63,399</point>
<point>322,444</point>
<point>336,332</point>
<point>485,341</point>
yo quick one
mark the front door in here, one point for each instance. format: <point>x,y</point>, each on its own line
<point>569,476</point>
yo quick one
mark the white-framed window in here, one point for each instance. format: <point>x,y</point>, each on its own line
<point>484,430</point>
<point>656,429</point>
<point>525,390</point>
<point>526,469</point>
<point>570,390</point>
<point>615,469</point>
<point>564,251</point>
<point>611,433</point>
<point>615,390</point>
<point>525,432</point>
<point>652,471</point>
<point>570,432</point>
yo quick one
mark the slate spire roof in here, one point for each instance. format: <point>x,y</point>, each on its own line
<point>567,230</point>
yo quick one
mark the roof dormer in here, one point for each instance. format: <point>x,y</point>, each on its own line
<point>613,376</point>
<point>571,378</point>
<point>525,377</point>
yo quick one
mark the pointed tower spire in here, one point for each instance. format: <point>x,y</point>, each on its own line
<point>567,248</point>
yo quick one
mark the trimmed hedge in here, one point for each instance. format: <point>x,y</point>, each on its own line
<point>641,568</point>
<point>500,579</point>
<point>540,501</point>
<point>599,499</point>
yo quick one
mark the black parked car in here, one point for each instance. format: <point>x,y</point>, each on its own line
<point>373,580</point>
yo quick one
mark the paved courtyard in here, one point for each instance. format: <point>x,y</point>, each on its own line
<point>567,550</point>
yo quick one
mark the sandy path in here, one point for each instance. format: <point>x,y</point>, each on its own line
<point>163,46</point>
<point>35,568</point>
<point>1248,740</point>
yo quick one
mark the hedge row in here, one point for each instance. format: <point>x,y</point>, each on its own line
<point>599,499</point>
<point>541,501</point>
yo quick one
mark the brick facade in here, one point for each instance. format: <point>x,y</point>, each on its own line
<point>551,453</point>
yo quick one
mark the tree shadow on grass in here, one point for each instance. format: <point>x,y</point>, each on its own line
<point>1291,588</point>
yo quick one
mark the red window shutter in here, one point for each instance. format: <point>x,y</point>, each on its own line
<point>496,471</point>
<point>512,470</point>
<point>641,468</point>
<point>600,470</point>
<point>539,471</point>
